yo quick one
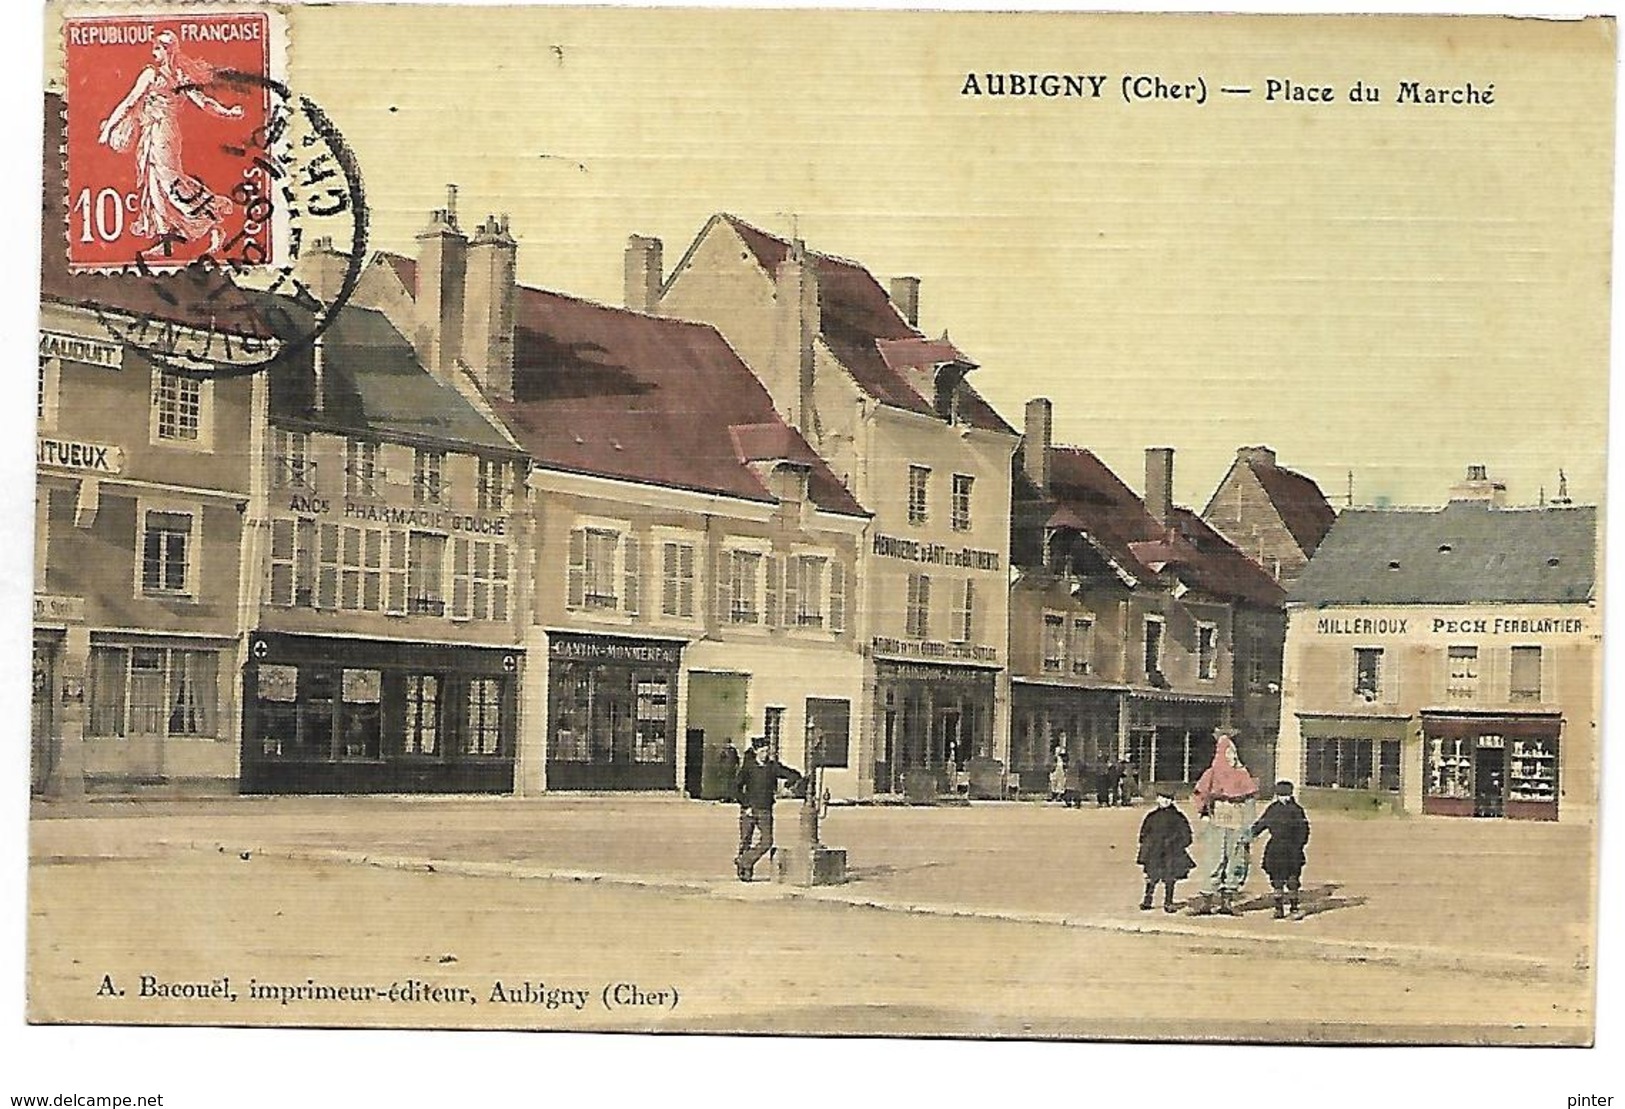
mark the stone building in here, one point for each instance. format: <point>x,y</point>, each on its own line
<point>1446,661</point>
<point>1135,628</point>
<point>694,559</point>
<point>388,536</point>
<point>1276,516</point>
<point>139,505</point>
<point>894,415</point>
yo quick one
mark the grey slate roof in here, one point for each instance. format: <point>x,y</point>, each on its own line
<point>1464,553</point>
<point>373,384</point>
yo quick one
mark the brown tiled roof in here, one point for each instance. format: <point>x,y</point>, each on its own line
<point>171,297</point>
<point>1220,568</point>
<point>621,394</point>
<point>855,316</point>
<point>405,268</point>
<point>1087,496</point>
<point>902,354</point>
<point>1302,506</point>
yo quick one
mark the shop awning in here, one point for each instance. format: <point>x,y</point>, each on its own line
<point>1465,725</point>
<point>1354,727</point>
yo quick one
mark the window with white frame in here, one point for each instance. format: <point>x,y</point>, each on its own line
<point>773,729</point>
<point>479,589</point>
<point>1207,651</point>
<point>1081,649</point>
<point>484,735</point>
<point>651,741</point>
<point>964,625</point>
<point>428,476</point>
<point>917,616</point>
<point>360,468</point>
<point>178,408</point>
<point>678,565</point>
<point>493,485</point>
<point>604,570</point>
<point>1524,682</point>
<point>1153,648</point>
<point>422,714</point>
<point>425,574</point>
<point>804,582</point>
<point>292,467</point>
<point>1368,673</point>
<point>919,479</point>
<point>329,566</point>
<point>168,563</point>
<point>744,586</point>
<point>1054,642</point>
<point>153,691</point>
<point>961,501</point>
<point>1255,658</point>
<point>1462,674</point>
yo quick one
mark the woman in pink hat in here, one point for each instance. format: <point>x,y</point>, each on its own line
<point>1225,799</point>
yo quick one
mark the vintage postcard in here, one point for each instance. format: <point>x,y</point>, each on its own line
<point>868,523</point>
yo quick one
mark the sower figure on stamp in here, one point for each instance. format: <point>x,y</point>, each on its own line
<point>170,201</point>
<point>1165,835</point>
<point>1288,827</point>
<point>1225,797</point>
<point>759,776</point>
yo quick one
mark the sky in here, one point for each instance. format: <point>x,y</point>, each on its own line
<point>1396,290</point>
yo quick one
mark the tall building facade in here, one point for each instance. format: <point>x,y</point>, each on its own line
<point>694,560</point>
<point>140,495</point>
<point>388,532</point>
<point>1136,630</point>
<point>893,414</point>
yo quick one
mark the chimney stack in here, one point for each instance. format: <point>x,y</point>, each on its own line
<point>1159,484</point>
<point>442,269</point>
<point>643,273</point>
<point>796,290</point>
<point>320,269</point>
<point>1479,487</point>
<point>1035,442</point>
<point>1256,456</point>
<point>488,308</point>
<point>905,294</point>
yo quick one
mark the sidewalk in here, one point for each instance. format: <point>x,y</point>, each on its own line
<point>1497,896</point>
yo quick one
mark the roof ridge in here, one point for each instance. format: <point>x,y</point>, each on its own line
<point>853,263</point>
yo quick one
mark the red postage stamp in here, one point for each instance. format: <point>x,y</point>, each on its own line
<point>163,114</point>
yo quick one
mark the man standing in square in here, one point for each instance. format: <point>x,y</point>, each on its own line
<point>756,789</point>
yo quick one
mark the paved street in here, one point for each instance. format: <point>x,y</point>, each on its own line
<point>1003,919</point>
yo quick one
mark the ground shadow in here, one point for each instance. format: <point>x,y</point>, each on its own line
<point>884,870</point>
<point>1312,901</point>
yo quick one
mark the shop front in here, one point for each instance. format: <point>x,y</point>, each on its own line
<point>158,712</point>
<point>1171,737</point>
<point>330,715</point>
<point>931,720</point>
<point>1491,765</point>
<point>1352,761</point>
<point>1081,722</point>
<point>612,712</point>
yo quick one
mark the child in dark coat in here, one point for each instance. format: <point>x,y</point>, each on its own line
<point>1288,827</point>
<point>1165,835</point>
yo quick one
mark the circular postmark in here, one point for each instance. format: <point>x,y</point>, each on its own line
<point>239,305</point>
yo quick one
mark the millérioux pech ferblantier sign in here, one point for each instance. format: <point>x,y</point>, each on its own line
<point>1509,624</point>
